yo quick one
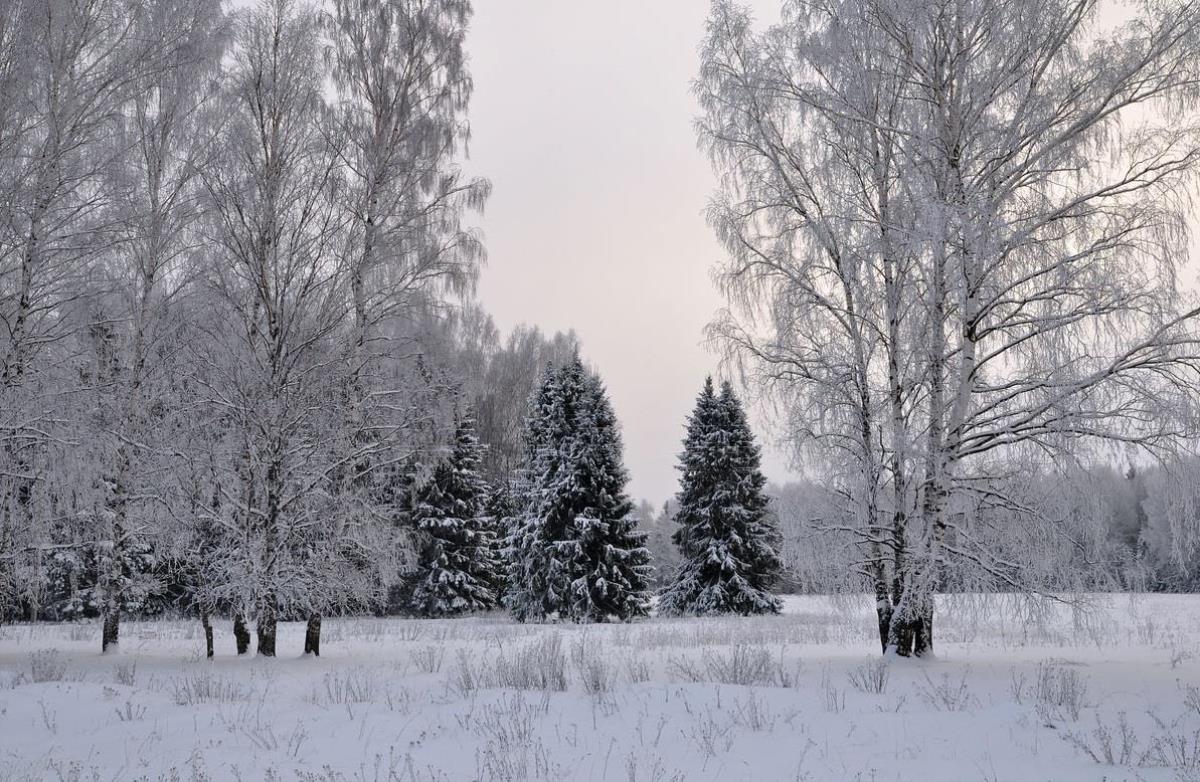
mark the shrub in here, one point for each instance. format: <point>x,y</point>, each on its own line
<point>946,695</point>
<point>870,677</point>
<point>191,689</point>
<point>1059,693</point>
<point>349,686</point>
<point>595,672</point>
<point>538,665</point>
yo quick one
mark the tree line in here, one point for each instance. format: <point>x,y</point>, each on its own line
<point>1091,527</point>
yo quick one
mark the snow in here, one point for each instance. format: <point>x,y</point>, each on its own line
<point>482,698</point>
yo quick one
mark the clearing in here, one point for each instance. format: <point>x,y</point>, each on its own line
<point>1017,691</point>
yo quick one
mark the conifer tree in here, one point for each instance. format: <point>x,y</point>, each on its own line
<point>528,594</point>
<point>608,555</point>
<point>726,535</point>
<point>577,553</point>
<point>458,567</point>
<point>502,509</point>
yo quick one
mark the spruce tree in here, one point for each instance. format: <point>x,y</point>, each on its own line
<point>608,556</point>
<point>458,567</point>
<point>577,552</point>
<point>726,534</point>
<point>502,511</point>
<point>528,594</point>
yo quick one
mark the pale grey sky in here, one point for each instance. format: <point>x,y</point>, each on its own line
<point>582,118</point>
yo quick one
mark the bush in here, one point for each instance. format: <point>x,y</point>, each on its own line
<point>192,689</point>
<point>349,686</point>
<point>538,665</point>
<point>125,673</point>
<point>744,665</point>
<point>595,672</point>
<point>946,695</point>
<point>870,677</point>
<point>1059,693</point>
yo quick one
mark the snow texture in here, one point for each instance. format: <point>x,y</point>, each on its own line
<point>1018,691</point>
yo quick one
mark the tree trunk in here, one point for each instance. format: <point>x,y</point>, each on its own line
<point>267,621</point>
<point>206,623</point>
<point>17,355</point>
<point>312,636</point>
<point>113,562</point>
<point>912,621</point>
<point>112,628</point>
<point>883,602</point>
<point>241,633</point>
<point>902,630</point>
<point>923,632</point>
<point>901,636</point>
<point>268,607</point>
<point>883,610</point>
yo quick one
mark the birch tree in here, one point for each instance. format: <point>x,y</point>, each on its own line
<point>820,281</point>
<point>276,278</point>
<point>168,133</point>
<point>963,223</point>
<point>399,127</point>
<point>66,69</point>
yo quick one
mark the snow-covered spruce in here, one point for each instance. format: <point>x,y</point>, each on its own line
<point>458,568</point>
<point>502,512</point>
<point>576,553</point>
<point>726,533</point>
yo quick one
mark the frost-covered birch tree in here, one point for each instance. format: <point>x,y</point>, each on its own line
<point>954,233</point>
<point>276,279</point>
<point>398,128</point>
<point>229,283</point>
<point>168,132</point>
<point>68,71</point>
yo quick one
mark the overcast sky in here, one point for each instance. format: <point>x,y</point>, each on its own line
<point>582,118</point>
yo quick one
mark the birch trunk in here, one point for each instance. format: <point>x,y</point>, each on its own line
<point>312,636</point>
<point>241,633</point>
<point>206,623</point>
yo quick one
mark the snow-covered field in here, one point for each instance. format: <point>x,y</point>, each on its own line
<point>1111,693</point>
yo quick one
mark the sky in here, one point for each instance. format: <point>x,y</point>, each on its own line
<point>582,118</point>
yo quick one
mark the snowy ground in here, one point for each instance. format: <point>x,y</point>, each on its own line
<point>1112,693</point>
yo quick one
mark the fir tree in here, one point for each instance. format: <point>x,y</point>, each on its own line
<point>609,557</point>
<point>502,511</point>
<point>458,567</point>
<point>528,595</point>
<point>726,535</point>
<point>577,553</point>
